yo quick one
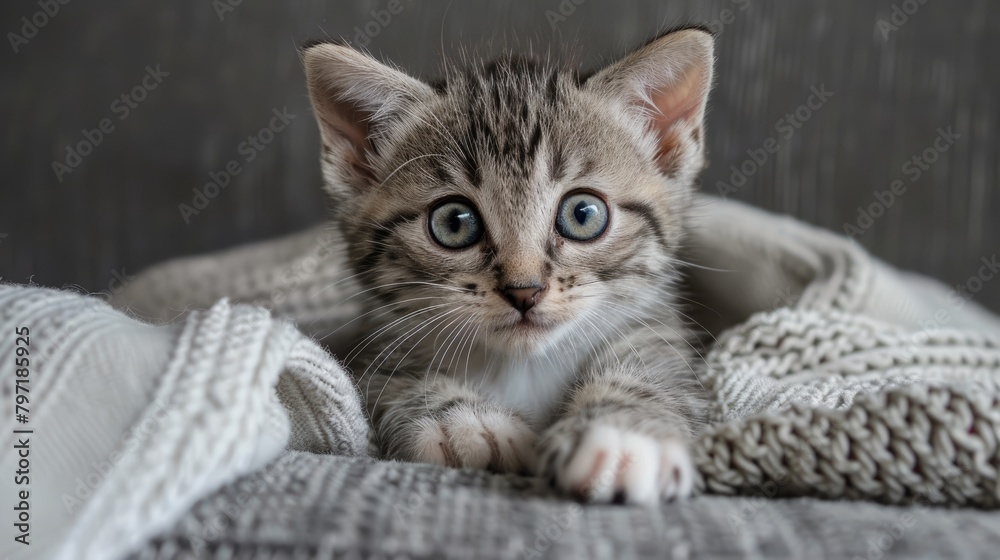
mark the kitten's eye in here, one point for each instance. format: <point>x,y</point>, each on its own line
<point>582,216</point>
<point>455,224</point>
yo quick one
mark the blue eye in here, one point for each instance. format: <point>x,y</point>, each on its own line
<point>582,216</point>
<point>455,224</point>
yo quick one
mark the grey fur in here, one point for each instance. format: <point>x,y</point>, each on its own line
<point>452,374</point>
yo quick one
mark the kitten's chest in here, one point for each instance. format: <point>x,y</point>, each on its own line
<point>533,386</point>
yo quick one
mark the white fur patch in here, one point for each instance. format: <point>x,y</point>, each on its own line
<point>532,386</point>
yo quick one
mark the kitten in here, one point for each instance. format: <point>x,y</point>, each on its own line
<point>515,229</point>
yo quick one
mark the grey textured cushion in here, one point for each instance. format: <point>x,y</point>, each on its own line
<point>305,506</point>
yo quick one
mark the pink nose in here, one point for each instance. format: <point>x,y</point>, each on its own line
<point>523,298</point>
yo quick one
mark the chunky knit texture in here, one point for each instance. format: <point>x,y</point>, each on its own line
<point>133,423</point>
<point>834,405</point>
<point>828,378</point>
<point>862,383</point>
<point>810,321</point>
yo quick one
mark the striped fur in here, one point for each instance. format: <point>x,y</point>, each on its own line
<point>596,382</point>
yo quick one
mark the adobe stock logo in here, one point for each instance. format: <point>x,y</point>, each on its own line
<point>913,168</point>
<point>380,20</point>
<point>122,106</point>
<point>901,14</point>
<point>566,9</point>
<point>249,149</point>
<point>31,25</point>
<point>727,16</point>
<point>786,128</point>
<point>223,7</point>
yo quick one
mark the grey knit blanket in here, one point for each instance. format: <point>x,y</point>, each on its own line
<point>833,375</point>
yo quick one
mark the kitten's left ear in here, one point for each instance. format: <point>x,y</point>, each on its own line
<point>357,101</point>
<point>666,83</point>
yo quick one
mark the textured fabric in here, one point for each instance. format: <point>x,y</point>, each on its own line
<point>807,321</point>
<point>844,392</point>
<point>311,506</point>
<point>302,276</point>
<point>132,423</point>
<point>926,362</point>
<point>923,428</point>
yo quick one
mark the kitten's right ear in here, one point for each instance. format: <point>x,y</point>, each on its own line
<point>356,100</point>
<point>666,83</point>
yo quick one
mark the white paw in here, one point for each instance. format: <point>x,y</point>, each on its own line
<point>476,438</point>
<point>611,464</point>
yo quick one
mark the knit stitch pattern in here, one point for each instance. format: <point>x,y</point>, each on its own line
<point>833,405</point>
<point>133,423</point>
<point>827,382</point>
<point>827,379</point>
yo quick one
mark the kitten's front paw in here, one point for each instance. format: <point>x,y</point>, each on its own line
<point>603,463</point>
<point>478,437</point>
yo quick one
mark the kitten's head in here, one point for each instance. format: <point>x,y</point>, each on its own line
<point>514,199</point>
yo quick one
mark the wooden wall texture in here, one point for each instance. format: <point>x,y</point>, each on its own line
<point>117,211</point>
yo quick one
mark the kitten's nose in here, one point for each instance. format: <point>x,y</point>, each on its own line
<point>524,298</point>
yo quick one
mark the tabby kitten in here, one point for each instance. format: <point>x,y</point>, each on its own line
<point>515,227</point>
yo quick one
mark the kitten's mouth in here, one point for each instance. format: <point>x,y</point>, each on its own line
<point>525,324</point>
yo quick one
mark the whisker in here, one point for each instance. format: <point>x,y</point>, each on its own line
<point>393,304</point>
<point>679,354</point>
<point>371,337</point>
<point>394,345</point>
<point>407,162</point>
<point>702,267</point>
<point>400,361</point>
<point>443,348</point>
<point>466,331</point>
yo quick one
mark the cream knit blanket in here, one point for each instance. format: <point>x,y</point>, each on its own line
<point>833,375</point>
<point>128,424</point>
<point>808,321</point>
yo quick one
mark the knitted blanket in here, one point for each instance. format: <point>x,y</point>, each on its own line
<point>833,375</point>
<point>126,425</point>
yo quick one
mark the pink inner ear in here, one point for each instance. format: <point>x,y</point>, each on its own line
<point>675,108</point>
<point>679,101</point>
<point>345,120</point>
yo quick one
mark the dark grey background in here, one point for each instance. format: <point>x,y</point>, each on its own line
<point>118,211</point>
